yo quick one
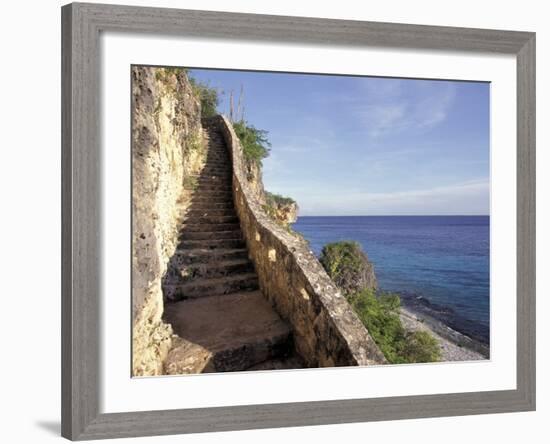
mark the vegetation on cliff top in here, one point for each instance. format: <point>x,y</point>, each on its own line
<point>281,209</point>
<point>254,142</point>
<point>277,199</point>
<point>208,96</point>
<point>348,266</point>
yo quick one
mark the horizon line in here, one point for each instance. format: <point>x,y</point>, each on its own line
<point>395,215</point>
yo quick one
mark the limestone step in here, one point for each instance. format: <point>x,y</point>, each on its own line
<point>186,273</point>
<point>202,227</point>
<point>198,204</point>
<point>226,179</point>
<point>222,188</point>
<point>212,198</point>
<point>220,176</point>
<point>208,178</point>
<point>228,212</point>
<point>223,173</point>
<point>211,235</point>
<point>200,288</point>
<point>211,203</point>
<point>210,219</point>
<point>214,180</point>
<point>206,190</point>
<point>216,170</point>
<point>225,333</point>
<point>218,159</point>
<point>217,154</point>
<point>222,159</point>
<point>200,255</point>
<point>212,244</point>
<point>219,166</point>
<point>205,186</point>
<point>226,192</point>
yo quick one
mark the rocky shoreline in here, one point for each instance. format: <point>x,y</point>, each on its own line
<point>454,345</point>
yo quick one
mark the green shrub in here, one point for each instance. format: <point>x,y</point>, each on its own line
<point>190,183</point>
<point>381,318</point>
<point>348,266</point>
<point>380,315</point>
<point>207,95</point>
<point>421,346</point>
<point>274,200</point>
<point>194,142</point>
<point>254,142</point>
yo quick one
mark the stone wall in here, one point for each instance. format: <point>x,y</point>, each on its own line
<point>166,147</point>
<point>326,330</point>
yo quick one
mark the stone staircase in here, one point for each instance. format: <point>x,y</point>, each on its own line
<point>211,291</point>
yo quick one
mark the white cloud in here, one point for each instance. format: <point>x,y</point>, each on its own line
<point>380,119</point>
<point>383,88</point>
<point>470,197</point>
<point>396,112</point>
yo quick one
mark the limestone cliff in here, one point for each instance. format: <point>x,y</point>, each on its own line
<point>166,148</point>
<point>283,209</point>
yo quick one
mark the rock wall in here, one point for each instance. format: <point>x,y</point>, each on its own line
<point>326,330</point>
<point>166,148</point>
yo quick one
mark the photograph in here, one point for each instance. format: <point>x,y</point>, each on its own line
<point>285,221</point>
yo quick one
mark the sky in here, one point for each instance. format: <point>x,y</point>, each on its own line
<point>345,145</point>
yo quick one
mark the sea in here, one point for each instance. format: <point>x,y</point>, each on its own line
<point>439,265</point>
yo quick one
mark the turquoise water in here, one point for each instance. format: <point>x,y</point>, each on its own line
<point>438,264</point>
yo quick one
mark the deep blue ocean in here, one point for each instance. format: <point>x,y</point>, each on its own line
<point>438,264</point>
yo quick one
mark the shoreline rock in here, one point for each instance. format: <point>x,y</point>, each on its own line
<point>454,345</point>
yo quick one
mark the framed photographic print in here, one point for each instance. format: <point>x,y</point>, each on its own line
<point>278,221</point>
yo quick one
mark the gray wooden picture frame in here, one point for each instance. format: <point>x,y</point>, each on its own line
<point>81,231</point>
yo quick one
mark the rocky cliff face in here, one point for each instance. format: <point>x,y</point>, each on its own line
<point>283,210</point>
<point>166,148</point>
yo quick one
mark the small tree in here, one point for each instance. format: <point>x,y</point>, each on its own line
<point>420,346</point>
<point>254,142</point>
<point>348,266</point>
<point>208,96</point>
